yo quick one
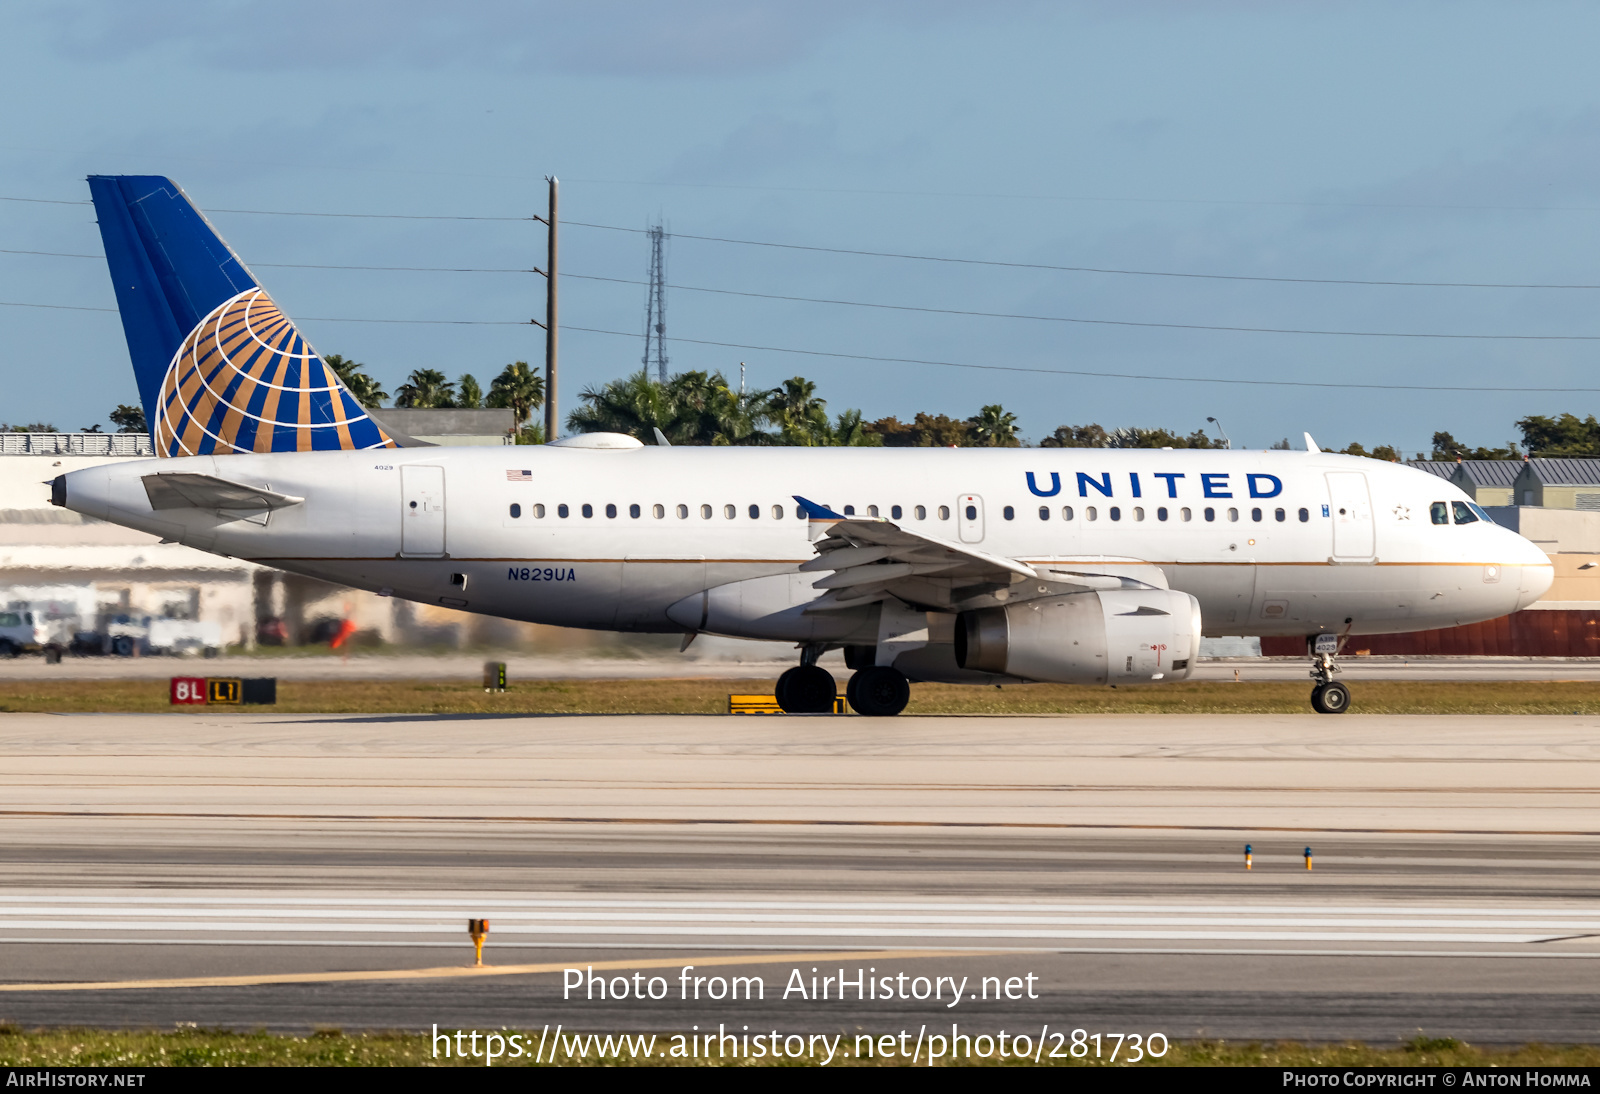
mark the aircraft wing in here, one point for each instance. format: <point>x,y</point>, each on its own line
<point>184,490</point>
<point>862,559</point>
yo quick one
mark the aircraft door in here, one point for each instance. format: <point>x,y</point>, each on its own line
<point>1350,507</point>
<point>969,518</point>
<point>421,510</point>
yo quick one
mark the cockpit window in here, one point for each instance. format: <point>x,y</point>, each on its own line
<point>1464,512</point>
<point>1440,512</point>
<point>1482,513</point>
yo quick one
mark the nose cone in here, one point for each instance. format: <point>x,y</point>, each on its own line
<point>1535,571</point>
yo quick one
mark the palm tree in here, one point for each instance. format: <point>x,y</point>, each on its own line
<point>635,405</point>
<point>994,427</point>
<point>851,432</point>
<point>425,388</point>
<point>366,390</point>
<point>519,388</point>
<point>471,397</point>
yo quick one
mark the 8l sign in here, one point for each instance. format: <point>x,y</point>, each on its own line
<point>188,689</point>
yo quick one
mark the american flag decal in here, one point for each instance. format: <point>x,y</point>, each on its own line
<point>519,476</point>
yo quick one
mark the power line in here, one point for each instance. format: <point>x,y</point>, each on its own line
<point>296,213</point>
<point>1101,198</point>
<point>904,255</point>
<point>1115,322</point>
<point>312,265</point>
<point>309,318</point>
<point>917,360</point>
<point>1102,269</point>
<point>1099,375</point>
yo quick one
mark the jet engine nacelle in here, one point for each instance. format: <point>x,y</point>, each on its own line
<point>1118,636</point>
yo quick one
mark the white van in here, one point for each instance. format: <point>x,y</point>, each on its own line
<point>22,632</point>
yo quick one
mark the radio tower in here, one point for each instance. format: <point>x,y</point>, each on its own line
<point>655,309</point>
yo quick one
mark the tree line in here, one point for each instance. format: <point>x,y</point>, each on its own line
<point>703,408</point>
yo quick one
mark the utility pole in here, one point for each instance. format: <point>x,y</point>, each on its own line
<point>551,418</point>
<point>655,307</point>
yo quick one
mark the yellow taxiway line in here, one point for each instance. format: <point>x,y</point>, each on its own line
<point>446,971</point>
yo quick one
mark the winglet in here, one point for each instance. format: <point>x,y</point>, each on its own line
<point>820,518</point>
<point>814,511</point>
<point>1311,445</point>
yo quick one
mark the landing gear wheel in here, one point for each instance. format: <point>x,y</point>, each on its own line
<point>878,691</point>
<point>1330,698</point>
<point>806,689</point>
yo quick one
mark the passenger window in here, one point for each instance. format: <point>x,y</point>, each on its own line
<point>1138,512</point>
<point>1278,515</point>
<point>588,510</point>
<point>1255,514</point>
<point>1116,512</point>
<point>1090,513</point>
<point>562,511</point>
<point>1233,514</point>
<point>1008,512</point>
<point>1044,512</point>
<point>1066,512</point>
<point>872,510</point>
<point>1305,515</point>
<point>894,512</point>
<point>516,510</point>
<point>658,511</point>
<point>777,512</point>
<point>921,511</point>
<point>729,512</point>
<point>849,510</point>
<point>1464,513</point>
<point>755,512</point>
<point>634,511</point>
<point>1211,514</point>
<point>683,512</point>
<point>611,511</point>
<point>1161,513</point>
<point>1440,512</point>
<point>705,512</point>
<point>944,512</point>
<point>538,511</point>
<point>972,512</point>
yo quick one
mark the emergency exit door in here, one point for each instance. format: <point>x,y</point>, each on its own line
<point>969,518</point>
<point>421,510</point>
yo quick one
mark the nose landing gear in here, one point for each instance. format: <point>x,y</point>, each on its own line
<point>1329,696</point>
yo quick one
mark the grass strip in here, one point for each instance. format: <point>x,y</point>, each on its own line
<point>695,696</point>
<point>192,1047</point>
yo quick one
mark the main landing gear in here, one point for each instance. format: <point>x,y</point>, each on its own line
<point>808,688</point>
<point>1329,696</point>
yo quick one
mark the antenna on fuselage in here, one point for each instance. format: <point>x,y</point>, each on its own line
<point>1311,445</point>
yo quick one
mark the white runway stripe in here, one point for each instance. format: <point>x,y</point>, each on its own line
<point>334,916</point>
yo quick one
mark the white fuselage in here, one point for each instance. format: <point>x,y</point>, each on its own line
<point>1270,543</point>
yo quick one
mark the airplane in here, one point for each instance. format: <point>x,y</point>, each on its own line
<point>973,565</point>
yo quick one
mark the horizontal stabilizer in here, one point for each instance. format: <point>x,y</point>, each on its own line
<point>193,491</point>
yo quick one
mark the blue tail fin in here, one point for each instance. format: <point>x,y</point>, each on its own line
<point>220,368</point>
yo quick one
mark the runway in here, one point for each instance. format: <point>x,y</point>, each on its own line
<point>300,871</point>
<point>723,659</point>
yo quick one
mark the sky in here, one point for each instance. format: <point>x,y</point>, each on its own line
<point>1299,150</point>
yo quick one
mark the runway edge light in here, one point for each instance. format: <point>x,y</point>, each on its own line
<point>477,930</point>
<point>1308,858</point>
<point>1248,856</point>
